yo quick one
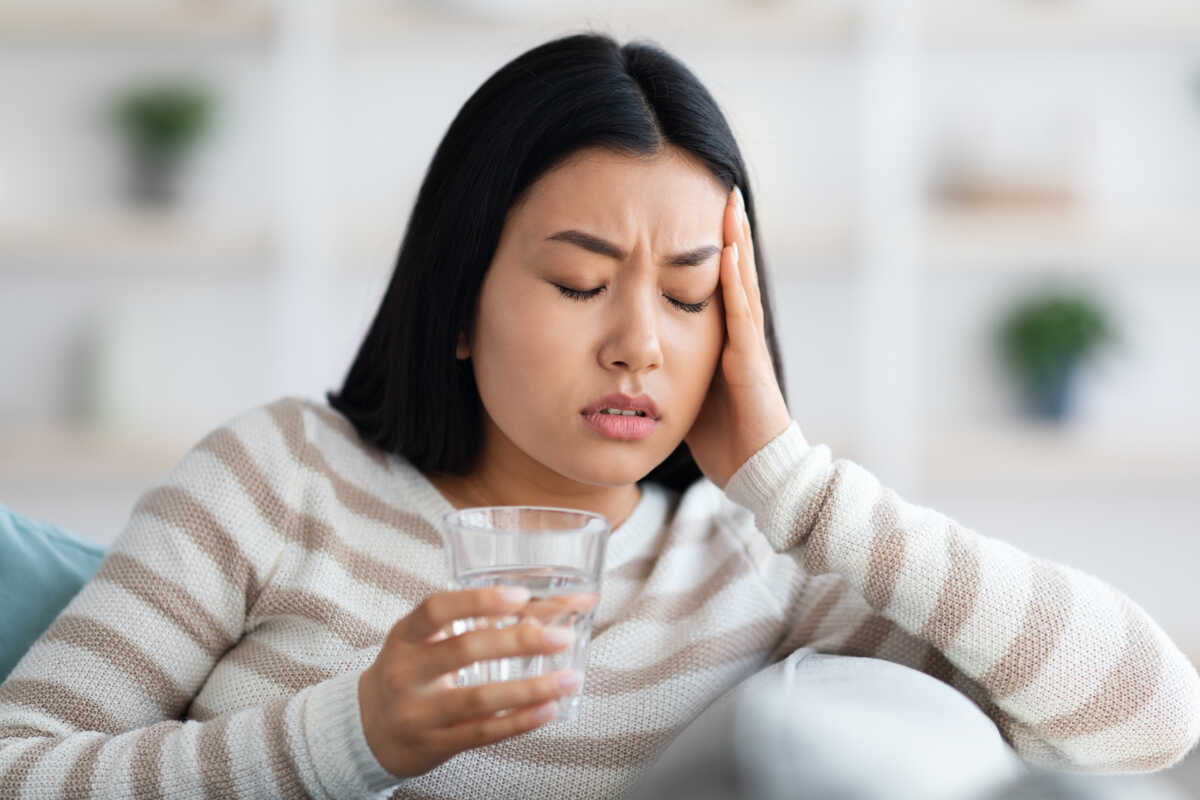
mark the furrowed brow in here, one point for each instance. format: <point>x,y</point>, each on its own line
<point>595,244</point>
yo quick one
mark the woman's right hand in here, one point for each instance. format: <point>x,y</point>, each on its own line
<point>415,717</point>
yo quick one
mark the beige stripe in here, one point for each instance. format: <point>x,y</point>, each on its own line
<point>817,519</point>
<point>816,505</point>
<point>22,732</point>
<point>60,702</point>
<point>1009,726</point>
<point>275,666</point>
<point>868,637</point>
<point>637,569</point>
<point>752,640</point>
<point>1126,689</point>
<point>283,768</point>
<point>285,414</point>
<point>177,507</point>
<point>1151,763</point>
<point>937,665</point>
<point>959,591</point>
<point>887,551</point>
<point>80,779</point>
<point>13,779</point>
<point>804,631</point>
<point>145,773</point>
<point>169,599</point>
<point>288,602</point>
<point>316,535</point>
<point>113,647</point>
<point>212,756</point>
<point>1047,616</point>
<point>199,712</point>
<point>229,449</point>
<point>616,752</point>
<point>353,497</point>
<point>673,606</point>
<point>334,419</point>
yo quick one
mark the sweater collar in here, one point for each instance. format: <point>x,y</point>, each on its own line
<point>631,536</point>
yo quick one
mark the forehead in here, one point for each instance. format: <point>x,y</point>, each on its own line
<point>671,193</point>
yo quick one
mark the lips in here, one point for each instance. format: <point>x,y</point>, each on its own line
<point>643,402</point>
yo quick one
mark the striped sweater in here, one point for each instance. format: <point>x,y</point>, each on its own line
<point>217,650</point>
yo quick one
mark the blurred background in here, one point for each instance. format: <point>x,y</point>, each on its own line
<point>981,221</point>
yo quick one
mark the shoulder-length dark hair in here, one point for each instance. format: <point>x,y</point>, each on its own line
<point>406,392</point>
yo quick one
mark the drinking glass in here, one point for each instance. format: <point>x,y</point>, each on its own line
<point>556,553</point>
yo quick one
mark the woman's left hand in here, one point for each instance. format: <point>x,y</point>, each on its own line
<point>744,408</point>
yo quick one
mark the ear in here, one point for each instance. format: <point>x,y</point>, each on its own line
<point>462,350</point>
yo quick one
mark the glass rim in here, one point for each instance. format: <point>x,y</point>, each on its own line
<point>453,518</point>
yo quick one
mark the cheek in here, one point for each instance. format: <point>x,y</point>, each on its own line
<point>519,350</point>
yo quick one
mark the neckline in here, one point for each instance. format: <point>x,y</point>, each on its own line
<point>434,506</point>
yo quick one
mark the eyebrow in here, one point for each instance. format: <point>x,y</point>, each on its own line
<point>691,258</point>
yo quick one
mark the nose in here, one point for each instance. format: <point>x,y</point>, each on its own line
<point>632,338</point>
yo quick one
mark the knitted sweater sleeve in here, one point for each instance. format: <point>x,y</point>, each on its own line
<point>97,707</point>
<point>1075,674</point>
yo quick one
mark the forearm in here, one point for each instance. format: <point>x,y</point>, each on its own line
<point>307,745</point>
<point>1069,660</point>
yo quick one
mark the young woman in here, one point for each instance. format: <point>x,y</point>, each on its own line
<point>273,620</point>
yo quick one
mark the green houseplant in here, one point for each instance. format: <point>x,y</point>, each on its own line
<point>1045,338</point>
<point>161,122</point>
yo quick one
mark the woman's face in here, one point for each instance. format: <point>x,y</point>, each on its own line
<point>541,357</point>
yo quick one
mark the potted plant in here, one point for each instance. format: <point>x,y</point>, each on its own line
<point>1044,339</point>
<point>161,123</point>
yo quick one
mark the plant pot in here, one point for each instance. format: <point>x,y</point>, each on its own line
<point>1049,393</point>
<point>154,181</point>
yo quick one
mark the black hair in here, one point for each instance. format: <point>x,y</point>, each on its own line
<point>406,391</point>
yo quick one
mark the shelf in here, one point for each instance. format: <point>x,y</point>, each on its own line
<point>55,452</point>
<point>1061,24</point>
<point>1040,457</point>
<point>141,22</point>
<point>1061,240</point>
<point>954,241</point>
<point>133,243</point>
<point>740,25</point>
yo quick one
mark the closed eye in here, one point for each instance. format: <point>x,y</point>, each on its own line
<point>584,296</point>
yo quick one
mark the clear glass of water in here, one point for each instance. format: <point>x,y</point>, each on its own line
<point>556,553</point>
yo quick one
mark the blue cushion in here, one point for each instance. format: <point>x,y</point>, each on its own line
<point>41,568</point>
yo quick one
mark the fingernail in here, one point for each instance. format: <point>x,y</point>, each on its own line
<point>556,637</point>
<point>741,201</point>
<point>569,681</point>
<point>514,594</point>
<point>735,252</point>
